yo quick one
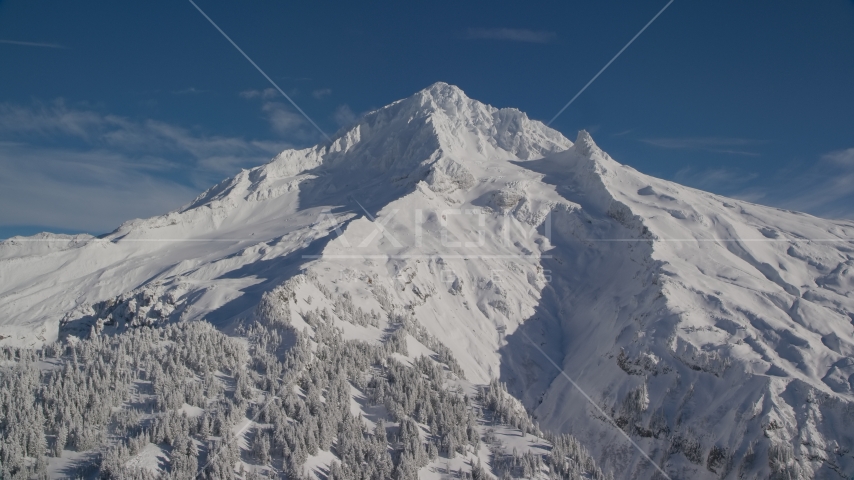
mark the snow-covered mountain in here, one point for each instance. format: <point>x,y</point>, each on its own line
<point>716,333</point>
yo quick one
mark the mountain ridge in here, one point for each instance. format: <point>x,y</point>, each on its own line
<point>702,325</point>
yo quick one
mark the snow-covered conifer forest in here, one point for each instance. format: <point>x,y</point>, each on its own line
<point>276,401</point>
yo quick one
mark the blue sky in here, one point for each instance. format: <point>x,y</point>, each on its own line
<point>115,110</point>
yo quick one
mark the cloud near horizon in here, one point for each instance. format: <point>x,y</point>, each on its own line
<point>824,187</point>
<point>77,169</point>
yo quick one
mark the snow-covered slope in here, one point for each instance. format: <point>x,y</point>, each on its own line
<point>716,333</point>
<point>249,233</point>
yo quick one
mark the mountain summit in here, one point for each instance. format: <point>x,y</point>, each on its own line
<point>716,333</point>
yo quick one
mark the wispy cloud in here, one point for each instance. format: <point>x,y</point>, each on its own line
<point>284,121</point>
<point>33,44</point>
<point>91,191</point>
<point>189,91</point>
<point>50,119</point>
<point>344,116</point>
<point>511,34</point>
<point>321,93</point>
<point>79,169</point>
<point>265,94</point>
<point>732,146</point>
<point>699,142</point>
<point>44,122</point>
<point>730,151</point>
<point>842,158</point>
<point>824,187</point>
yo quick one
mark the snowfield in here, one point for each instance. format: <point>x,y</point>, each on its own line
<point>716,333</point>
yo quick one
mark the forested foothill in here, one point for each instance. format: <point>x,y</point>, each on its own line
<point>185,400</point>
